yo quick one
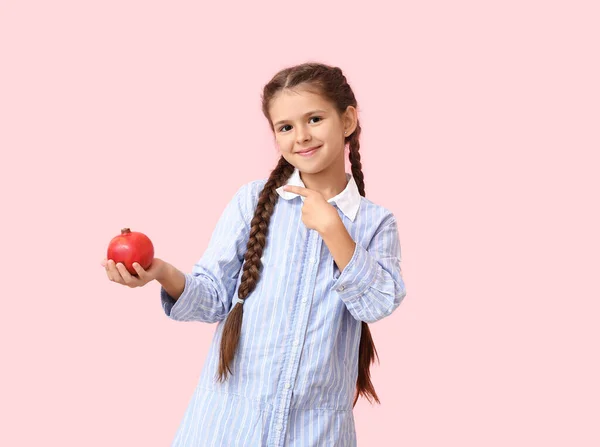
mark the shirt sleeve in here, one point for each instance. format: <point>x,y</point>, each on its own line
<point>209,288</point>
<point>371,285</point>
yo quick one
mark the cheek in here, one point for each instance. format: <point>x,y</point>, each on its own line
<point>326,133</point>
<point>284,144</point>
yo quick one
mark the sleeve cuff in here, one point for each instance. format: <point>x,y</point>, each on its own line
<point>356,277</point>
<point>168,302</point>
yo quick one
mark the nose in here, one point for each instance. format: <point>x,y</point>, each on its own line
<point>302,134</point>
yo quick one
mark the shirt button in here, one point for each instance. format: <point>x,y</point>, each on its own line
<point>312,260</point>
<point>296,342</point>
<point>340,288</point>
<point>304,300</point>
<point>279,427</point>
<point>288,386</point>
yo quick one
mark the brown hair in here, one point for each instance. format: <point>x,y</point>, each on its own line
<point>331,83</point>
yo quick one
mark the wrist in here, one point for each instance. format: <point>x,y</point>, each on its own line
<point>162,270</point>
<point>334,227</point>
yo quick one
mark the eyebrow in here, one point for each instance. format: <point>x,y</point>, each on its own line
<point>306,114</point>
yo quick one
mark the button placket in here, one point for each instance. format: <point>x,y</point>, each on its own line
<point>300,328</point>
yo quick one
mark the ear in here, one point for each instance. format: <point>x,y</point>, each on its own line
<point>349,120</point>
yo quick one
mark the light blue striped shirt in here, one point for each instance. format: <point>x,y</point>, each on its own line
<point>295,369</point>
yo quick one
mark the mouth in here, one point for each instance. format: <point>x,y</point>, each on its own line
<point>308,151</point>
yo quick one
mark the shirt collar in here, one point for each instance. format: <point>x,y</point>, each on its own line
<point>347,201</point>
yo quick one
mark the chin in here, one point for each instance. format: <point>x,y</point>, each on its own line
<point>311,169</point>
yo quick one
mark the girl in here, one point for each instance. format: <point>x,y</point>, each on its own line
<point>296,267</point>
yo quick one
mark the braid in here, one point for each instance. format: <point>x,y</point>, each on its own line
<point>366,351</point>
<point>354,156</point>
<point>259,227</point>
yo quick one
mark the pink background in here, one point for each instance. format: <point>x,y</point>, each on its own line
<point>481,133</point>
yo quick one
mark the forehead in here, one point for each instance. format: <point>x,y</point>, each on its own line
<point>291,104</point>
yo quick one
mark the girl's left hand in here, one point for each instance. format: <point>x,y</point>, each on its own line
<point>317,213</point>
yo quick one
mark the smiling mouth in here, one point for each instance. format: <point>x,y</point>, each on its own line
<point>309,152</point>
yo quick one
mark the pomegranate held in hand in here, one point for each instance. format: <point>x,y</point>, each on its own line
<point>129,247</point>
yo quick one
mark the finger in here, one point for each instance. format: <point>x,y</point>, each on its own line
<point>305,192</point>
<point>116,273</point>
<point>140,271</point>
<point>127,278</point>
<point>108,272</point>
<point>112,272</point>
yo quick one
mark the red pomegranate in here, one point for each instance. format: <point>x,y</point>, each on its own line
<point>129,247</point>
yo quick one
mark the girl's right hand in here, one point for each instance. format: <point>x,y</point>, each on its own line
<point>119,274</point>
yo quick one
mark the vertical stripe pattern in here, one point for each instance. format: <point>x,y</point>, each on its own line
<point>295,369</point>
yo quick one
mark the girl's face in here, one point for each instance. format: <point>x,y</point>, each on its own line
<point>303,120</point>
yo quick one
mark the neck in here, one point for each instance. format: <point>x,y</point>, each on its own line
<point>329,182</point>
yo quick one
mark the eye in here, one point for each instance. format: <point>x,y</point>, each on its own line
<point>318,118</point>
